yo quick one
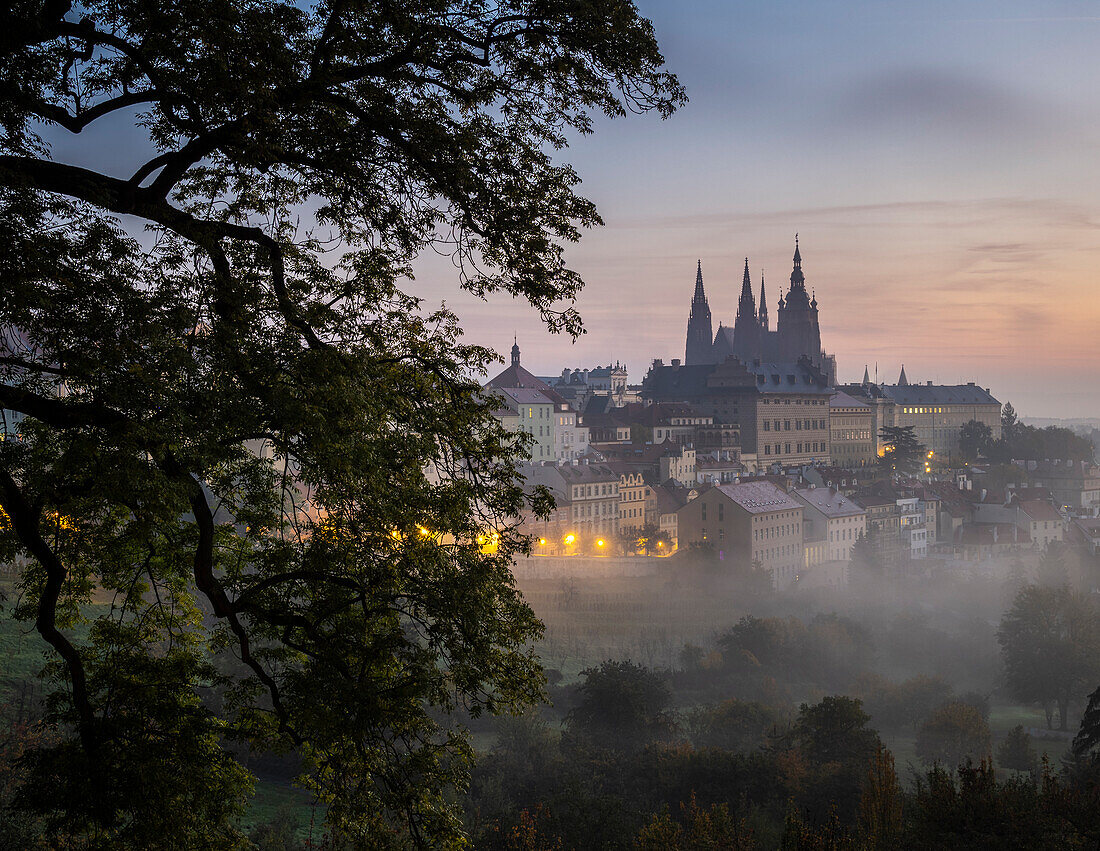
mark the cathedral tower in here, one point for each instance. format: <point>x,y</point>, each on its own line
<point>699,336</point>
<point>797,326</point>
<point>746,328</point>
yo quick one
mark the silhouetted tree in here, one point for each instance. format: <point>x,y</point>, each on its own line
<point>952,734</point>
<point>621,705</point>
<point>1050,644</point>
<point>975,438</point>
<point>264,448</point>
<point>903,452</point>
<point>1016,753</point>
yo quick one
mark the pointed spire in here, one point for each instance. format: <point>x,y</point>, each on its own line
<point>813,302</point>
<point>866,376</point>
<point>515,351</point>
<point>699,294</point>
<point>763,304</point>
<point>746,305</point>
<point>797,278</point>
<point>902,380</point>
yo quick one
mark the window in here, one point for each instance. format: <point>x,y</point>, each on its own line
<point>787,448</point>
<point>703,508</point>
<point>767,425</point>
<point>721,512</point>
<point>767,450</point>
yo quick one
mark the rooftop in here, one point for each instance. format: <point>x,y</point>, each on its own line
<point>828,502</point>
<point>759,497</point>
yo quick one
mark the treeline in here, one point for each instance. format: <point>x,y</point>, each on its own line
<point>1023,442</point>
<point>624,773</point>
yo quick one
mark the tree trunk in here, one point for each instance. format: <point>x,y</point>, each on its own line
<point>1049,710</point>
<point>1063,711</point>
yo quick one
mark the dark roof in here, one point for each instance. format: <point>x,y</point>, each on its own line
<point>840,399</point>
<point>939,394</point>
<point>517,376</point>
<point>1038,510</point>
<point>983,534</point>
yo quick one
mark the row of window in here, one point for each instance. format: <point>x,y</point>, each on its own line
<point>799,425</point>
<point>600,490</point>
<point>594,509</point>
<point>768,401</point>
<point>785,449</point>
<point>774,531</point>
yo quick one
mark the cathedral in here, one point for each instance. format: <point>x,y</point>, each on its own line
<point>751,338</point>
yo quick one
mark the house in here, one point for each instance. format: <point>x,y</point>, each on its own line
<point>754,522</point>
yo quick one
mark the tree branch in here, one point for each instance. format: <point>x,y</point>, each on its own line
<point>25,519</point>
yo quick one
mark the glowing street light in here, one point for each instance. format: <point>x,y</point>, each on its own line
<point>600,542</point>
<point>569,539</point>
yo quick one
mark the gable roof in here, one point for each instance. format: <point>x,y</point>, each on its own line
<point>759,497</point>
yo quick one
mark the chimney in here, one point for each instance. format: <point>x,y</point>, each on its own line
<point>929,383</point>
<point>675,363</point>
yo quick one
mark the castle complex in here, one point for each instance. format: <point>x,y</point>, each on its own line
<point>796,335</point>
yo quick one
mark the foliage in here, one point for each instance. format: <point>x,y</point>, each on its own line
<point>1016,752</point>
<point>238,426</point>
<point>733,725</point>
<point>880,806</point>
<point>954,733</point>
<point>903,453</point>
<point>622,705</point>
<point>864,559</point>
<point>1050,643</point>
<point>975,438</point>
<point>711,828</point>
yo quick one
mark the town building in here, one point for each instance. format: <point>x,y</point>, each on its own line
<point>833,521</point>
<point>753,522</point>
<point>797,332</point>
<point>633,499</point>
<point>782,408</point>
<point>593,491</point>
<point>937,412</point>
<point>851,432</point>
<point>533,413</point>
<point>568,438</point>
<point>1075,485</point>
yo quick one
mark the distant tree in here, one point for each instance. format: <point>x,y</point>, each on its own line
<point>691,656</point>
<point>622,706</point>
<point>903,453</point>
<point>952,734</point>
<point>733,725</point>
<point>698,828</point>
<point>865,559</point>
<point>1009,421</point>
<point>975,438</point>
<point>1050,644</point>
<point>1086,744</point>
<point>880,814</point>
<point>835,730</point>
<point>1016,753</point>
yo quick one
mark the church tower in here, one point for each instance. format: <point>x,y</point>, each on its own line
<point>746,328</point>
<point>699,337</point>
<point>763,306</point>
<point>797,326</point>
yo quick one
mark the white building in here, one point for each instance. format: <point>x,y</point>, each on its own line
<point>831,519</point>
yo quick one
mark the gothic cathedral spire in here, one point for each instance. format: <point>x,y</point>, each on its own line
<point>763,312</point>
<point>700,339</point>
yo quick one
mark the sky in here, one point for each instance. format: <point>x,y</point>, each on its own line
<point>939,161</point>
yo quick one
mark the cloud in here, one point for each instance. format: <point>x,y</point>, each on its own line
<point>940,101</point>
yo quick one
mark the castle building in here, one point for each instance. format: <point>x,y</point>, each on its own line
<point>797,332</point>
